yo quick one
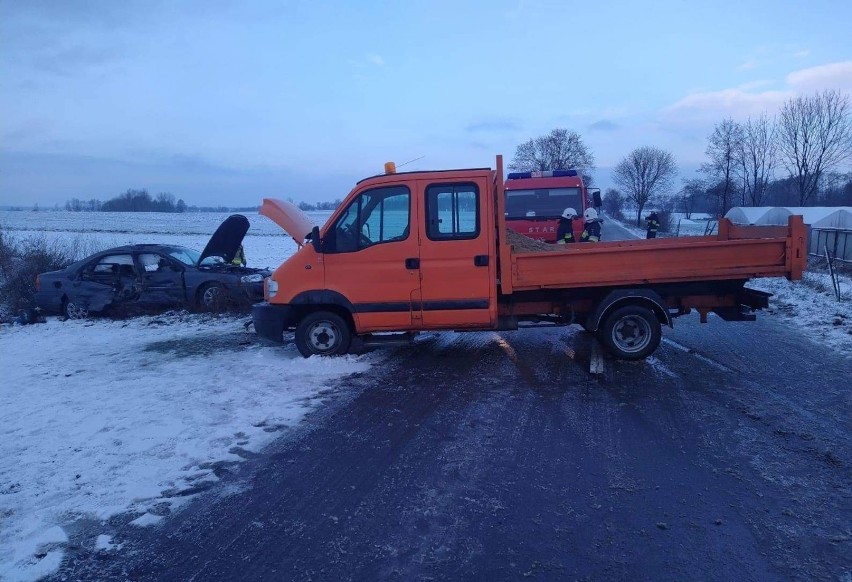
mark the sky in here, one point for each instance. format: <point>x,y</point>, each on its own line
<point>224,103</point>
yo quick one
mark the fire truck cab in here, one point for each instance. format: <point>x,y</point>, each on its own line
<point>536,200</point>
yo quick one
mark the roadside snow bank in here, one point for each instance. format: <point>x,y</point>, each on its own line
<point>98,418</point>
<point>811,305</point>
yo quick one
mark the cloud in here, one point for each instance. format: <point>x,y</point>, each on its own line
<point>802,53</point>
<point>735,102</point>
<point>493,125</point>
<point>830,76</point>
<point>748,100</point>
<point>604,125</point>
<point>376,60</point>
<point>71,60</point>
<point>748,65</point>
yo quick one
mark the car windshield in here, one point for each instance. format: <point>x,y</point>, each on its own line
<point>542,202</point>
<point>186,256</point>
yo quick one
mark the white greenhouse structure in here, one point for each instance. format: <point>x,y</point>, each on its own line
<point>829,227</point>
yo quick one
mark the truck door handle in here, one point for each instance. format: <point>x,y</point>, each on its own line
<point>412,263</point>
<point>480,260</point>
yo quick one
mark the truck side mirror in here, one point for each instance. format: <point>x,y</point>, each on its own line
<point>596,196</point>
<point>315,239</point>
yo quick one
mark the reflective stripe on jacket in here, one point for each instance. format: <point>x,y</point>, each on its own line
<point>239,258</point>
<point>591,231</point>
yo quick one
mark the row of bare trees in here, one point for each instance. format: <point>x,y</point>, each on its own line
<point>809,137</point>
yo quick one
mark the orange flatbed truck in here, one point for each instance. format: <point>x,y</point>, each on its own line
<point>415,251</point>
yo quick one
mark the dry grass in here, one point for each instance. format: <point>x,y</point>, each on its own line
<point>22,259</point>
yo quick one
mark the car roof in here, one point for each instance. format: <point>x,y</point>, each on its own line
<point>139,247</point>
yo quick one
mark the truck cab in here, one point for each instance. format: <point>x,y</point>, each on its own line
<point>404,252</point>
<point>536,200</point>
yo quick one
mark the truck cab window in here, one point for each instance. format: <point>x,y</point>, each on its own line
<point>452,211</point>
<point>377,216</point>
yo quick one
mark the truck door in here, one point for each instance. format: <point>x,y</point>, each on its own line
<point>371,257</point>
<point>458,285</point>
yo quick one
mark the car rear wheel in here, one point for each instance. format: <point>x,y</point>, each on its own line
<point>323,333</point>
<point>74,310</point>
<point>211,297</point>
<point>631,332</point>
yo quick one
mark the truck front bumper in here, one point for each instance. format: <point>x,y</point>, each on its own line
<point>270,320</point>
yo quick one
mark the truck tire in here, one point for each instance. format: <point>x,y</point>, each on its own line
<point>631,332</point>
<point>323,333</point>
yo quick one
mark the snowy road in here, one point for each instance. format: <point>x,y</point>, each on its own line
<point>491,456</point>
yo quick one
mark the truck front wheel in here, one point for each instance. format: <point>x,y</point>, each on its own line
<point>323,333</point>
<point>631,332</point>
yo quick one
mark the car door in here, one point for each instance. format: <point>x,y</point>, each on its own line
<point>371,257</point>
<point>457,277</point>
<point>162,279</point>
<point>104,281</point>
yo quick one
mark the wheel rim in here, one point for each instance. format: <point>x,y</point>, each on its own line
<point>323,337</point>
<point>631,334</point>
<point>75,311</point>
<point>211,296</point>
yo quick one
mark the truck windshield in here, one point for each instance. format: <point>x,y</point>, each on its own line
<point>542,202</point>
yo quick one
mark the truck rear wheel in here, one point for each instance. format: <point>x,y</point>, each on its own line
<point>631,332</point>
<point>323,333</point>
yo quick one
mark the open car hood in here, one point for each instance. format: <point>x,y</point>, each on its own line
<point>289,217</point>
<point>227,239</point>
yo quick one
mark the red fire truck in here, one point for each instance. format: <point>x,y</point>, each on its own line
<point>536,200</point>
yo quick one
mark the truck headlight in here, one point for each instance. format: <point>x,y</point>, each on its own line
<point>256,278</point>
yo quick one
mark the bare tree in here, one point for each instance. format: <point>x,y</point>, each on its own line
<point>687,200</point>
<point>561,149</point>
<point>723,147</point>
<point>613,203</point>
<point>757,157</point>
<point>815,135</point>
<point>645,172</point>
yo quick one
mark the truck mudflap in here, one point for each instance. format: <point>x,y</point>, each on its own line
<point>753,298</point>
<point>748,300</point>
<point>270,321</point>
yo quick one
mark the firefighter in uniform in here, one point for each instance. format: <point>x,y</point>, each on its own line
<point>591,226</point>
<point>565,232</point>
<point>240,258</point>
<point>653,225</point>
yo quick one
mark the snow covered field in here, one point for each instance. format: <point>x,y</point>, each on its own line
<point>103,417</point>
<point>100,418</point>
<point>266,245</point>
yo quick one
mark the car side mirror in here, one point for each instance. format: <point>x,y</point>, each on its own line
<point>315,239</point>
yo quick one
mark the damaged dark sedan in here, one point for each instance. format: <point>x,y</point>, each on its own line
<point>155,276</point>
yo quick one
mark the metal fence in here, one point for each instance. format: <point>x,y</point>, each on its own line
<point>837,242</point>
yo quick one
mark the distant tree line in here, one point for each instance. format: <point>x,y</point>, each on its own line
<point>306,206</point>
<point>130,201</point>
<point>143,201</point>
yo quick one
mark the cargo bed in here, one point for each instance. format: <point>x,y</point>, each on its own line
<point>737,252</point>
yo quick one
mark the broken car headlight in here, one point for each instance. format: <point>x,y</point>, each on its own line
<point>256,278</point>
